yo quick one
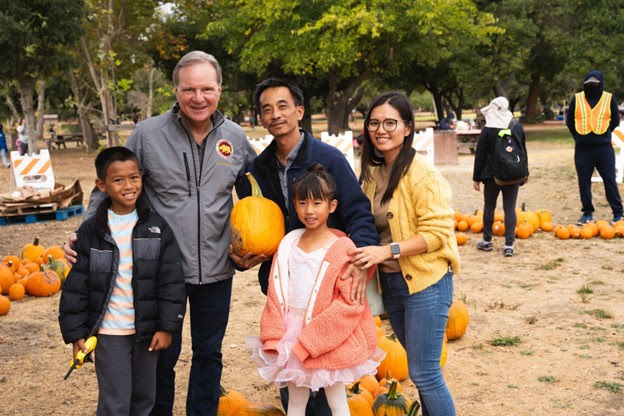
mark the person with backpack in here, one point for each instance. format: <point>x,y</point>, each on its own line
<point>501,164</point>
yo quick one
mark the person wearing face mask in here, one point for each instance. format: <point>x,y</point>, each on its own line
<point>592,116</point>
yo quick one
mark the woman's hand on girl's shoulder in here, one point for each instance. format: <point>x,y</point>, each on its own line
<point>365,257</point>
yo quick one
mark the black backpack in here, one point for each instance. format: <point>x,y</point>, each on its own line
<point>510,163</point>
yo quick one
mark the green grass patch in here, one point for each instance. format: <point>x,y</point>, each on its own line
<point>584,347</point>
<point>512,386</point>
<point>505,341</point>
<point>548,379</point>
<point>599,313</point>
<point>586,290</point>
<point>585,357</point>
<point>599,339</point>
<point>620,344</point>
<point>612,386</point>
<point>596,282</point>
<point>554,135</point>
<point>527,352</point>
<point>579,325</point>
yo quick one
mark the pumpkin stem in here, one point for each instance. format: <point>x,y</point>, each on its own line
<point>51,259</point>
<point>414,408</point>
<point>223,391</point>
<point>255,188</point>
<point>36,241</point>
<point>355,389</point>
<point>392,393</point>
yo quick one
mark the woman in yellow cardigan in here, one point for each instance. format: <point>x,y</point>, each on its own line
<point>411,203</point>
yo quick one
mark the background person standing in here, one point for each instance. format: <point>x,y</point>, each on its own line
<point>592,116</point>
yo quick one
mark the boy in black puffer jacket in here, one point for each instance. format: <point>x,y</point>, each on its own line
<point>127,288</point>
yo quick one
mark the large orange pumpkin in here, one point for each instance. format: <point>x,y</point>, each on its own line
<point>229,402</point>
<point>562,233</point>
<point>259,409</point>
<point>12,261</point>
<point>458,320</point>
<point>476,227</point>
<point>525,230</point>
<point>33,251</point>
<point>355,389</point>
<point>370,383</point>
<point>607,232</point>
<point>43,283</point>
<point>544,216</point>
<point>358,405</point>
<point>7,278</point>
<point>5,305</point>
<point>395,361</point>
<point>498,228</point>
<point>256,223</point>
<point>461,238</point>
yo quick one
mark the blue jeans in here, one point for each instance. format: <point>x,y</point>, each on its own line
<point>419,322</point>
<point>209,308</point>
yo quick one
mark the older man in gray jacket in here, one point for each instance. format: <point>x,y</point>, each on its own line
<point>191,158</point>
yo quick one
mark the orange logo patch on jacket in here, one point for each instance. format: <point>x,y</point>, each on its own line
<point>224,148</point>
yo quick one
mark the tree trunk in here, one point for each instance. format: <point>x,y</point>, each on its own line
<point>150,92</point>
<point>437,101</point>
<point>40,109</point>
<point>104,94</point>
<point>89,137</point>
<point>16,116</point>
<point>534,90</point>
<point>340,102</point>
<point>26,89</point>
<point>306,121</point>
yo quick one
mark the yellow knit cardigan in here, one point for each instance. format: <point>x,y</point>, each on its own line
<point>421,204</point>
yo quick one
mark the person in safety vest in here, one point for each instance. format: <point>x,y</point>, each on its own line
<point>592,116</point>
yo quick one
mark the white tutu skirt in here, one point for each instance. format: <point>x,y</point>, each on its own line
<point>283,366</point>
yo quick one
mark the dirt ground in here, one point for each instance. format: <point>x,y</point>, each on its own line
<point>569,359</point>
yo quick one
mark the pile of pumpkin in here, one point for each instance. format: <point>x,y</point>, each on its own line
<point>369,396</point>
<point>530,222</point>
<point>599,228</point>
<point>38,271</point>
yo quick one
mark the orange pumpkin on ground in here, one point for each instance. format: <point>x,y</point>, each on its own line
<point>395,361</point>
<point>575,232</point>
<point>43,283</point>
<point>358,405</point>
<point>562,233</point>
<point>461,238</point>
<point>377,320</point>
<point>619,231</point>
<point>33,251</point>
<point>370,383</point>
<point>5,305</point>
<point>229,402</point>
<point>544,216</point>
<point>458,320</point>
<point>259,409</point>
<point>12,261</point>
<point>602,224</point>
<point>498,228</point>
<point>525,230</point>
<point>547,226</point>
<point>533,219</point>
<point>17,291</point>
<point>587,232</point>
<point>356,389</point>
<point>392,403</point>
<point>54,251</point>
<point>476,227</point>
<point>607,233</point>
<point>462,225</point>
<point>256,223</point>
<point>6,278</point>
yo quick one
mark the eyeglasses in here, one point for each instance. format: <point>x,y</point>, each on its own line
<point>388,124</point>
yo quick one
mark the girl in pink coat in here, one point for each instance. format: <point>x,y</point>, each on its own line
<point>312,335</point>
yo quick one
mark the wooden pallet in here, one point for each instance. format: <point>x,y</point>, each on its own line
<point>41,216</point>
<point>8,210</point>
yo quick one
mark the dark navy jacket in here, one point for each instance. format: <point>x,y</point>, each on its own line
<point>353,214</point>
<point>157,278</point>
<point>593,139</point>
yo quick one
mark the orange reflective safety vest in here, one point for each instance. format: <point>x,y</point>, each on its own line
<point>592,120</point>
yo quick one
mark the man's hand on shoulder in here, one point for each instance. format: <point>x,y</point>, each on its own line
<point>247,261</point>
<point>70,254</point>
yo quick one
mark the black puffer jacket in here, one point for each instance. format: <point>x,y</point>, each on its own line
<point>157,278</point>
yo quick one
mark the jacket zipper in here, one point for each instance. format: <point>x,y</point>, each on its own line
<point>188,173</point>
<point>193,143</point>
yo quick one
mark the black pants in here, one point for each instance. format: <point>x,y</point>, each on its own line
<point>490,195</point>
<point>601,157</point>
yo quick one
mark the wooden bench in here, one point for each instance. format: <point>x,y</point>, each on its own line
<point>62,140</point>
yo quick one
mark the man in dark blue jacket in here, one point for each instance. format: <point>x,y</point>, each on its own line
<point>592,116</point>
<point>280,106</point>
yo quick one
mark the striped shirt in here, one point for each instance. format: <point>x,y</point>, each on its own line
<point>119,316</point>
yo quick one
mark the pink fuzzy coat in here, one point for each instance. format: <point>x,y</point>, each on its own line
<point>337,332</point>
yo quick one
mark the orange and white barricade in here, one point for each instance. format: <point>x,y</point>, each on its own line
<point>33,170</point>
<point>423,143</point>
<point>343,142</point>
<point>260,144</point>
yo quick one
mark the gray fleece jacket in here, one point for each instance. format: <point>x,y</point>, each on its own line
<point>195,199</point>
